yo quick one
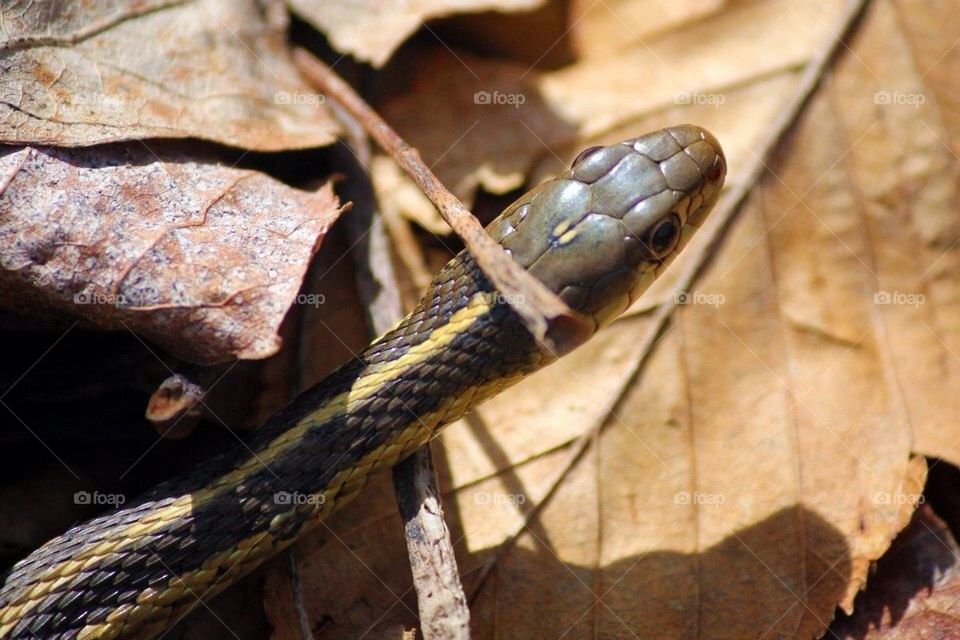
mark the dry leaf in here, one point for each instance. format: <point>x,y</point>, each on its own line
<point>498,124</point>
<point>901,132</point>
<point>397,195</point>
<point>78,73</point>
<point>916,590</point>
<point>605,28</point>
<point>746,482</point>
<point>204,260</point>
<point>371,30</point>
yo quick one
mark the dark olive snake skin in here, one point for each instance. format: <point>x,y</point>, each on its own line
<point>598,236</point>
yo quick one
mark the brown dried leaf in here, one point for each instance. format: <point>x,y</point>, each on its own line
<point>895,95</point>
<point>371,30</point>
<point>746,482</point>
<point>607,28</point>
<point>78,73</point>
<point>398,195</point>
<point>916,590</point>
<point>203,259</point>
<point>543,119</point>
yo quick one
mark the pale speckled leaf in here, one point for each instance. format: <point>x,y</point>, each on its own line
<point>203,259</point>
<point>78,73</point>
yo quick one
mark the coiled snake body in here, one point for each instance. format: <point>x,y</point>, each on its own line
<point>598,236</point>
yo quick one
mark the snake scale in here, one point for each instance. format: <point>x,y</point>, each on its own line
<point>597,235</point>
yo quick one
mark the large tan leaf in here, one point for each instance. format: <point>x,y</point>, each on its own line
<point>899,115</point>
<point>201,258</point>
<point>79,73</point>
<point>745,482</point>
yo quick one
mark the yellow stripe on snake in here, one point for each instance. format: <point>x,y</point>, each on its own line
<point>597,235</point>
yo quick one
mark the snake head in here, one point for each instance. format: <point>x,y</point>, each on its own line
<point>601,233</point>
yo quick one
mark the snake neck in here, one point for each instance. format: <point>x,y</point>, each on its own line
<point>135,571</point>
<point>461,345</point>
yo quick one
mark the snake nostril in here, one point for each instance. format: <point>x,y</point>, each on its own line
<point>715,171</point>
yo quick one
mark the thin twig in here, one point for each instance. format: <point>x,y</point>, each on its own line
<point>556,326</point>
<point>725,212</point>
<point>303,620</point>
<point>444,613</point>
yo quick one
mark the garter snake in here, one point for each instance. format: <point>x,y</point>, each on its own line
<point>597,235</point>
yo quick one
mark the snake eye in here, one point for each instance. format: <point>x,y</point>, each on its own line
<point>663,237</point>
<point>583,154</point>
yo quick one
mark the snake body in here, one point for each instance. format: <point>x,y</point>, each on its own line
<point>598,235</point>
